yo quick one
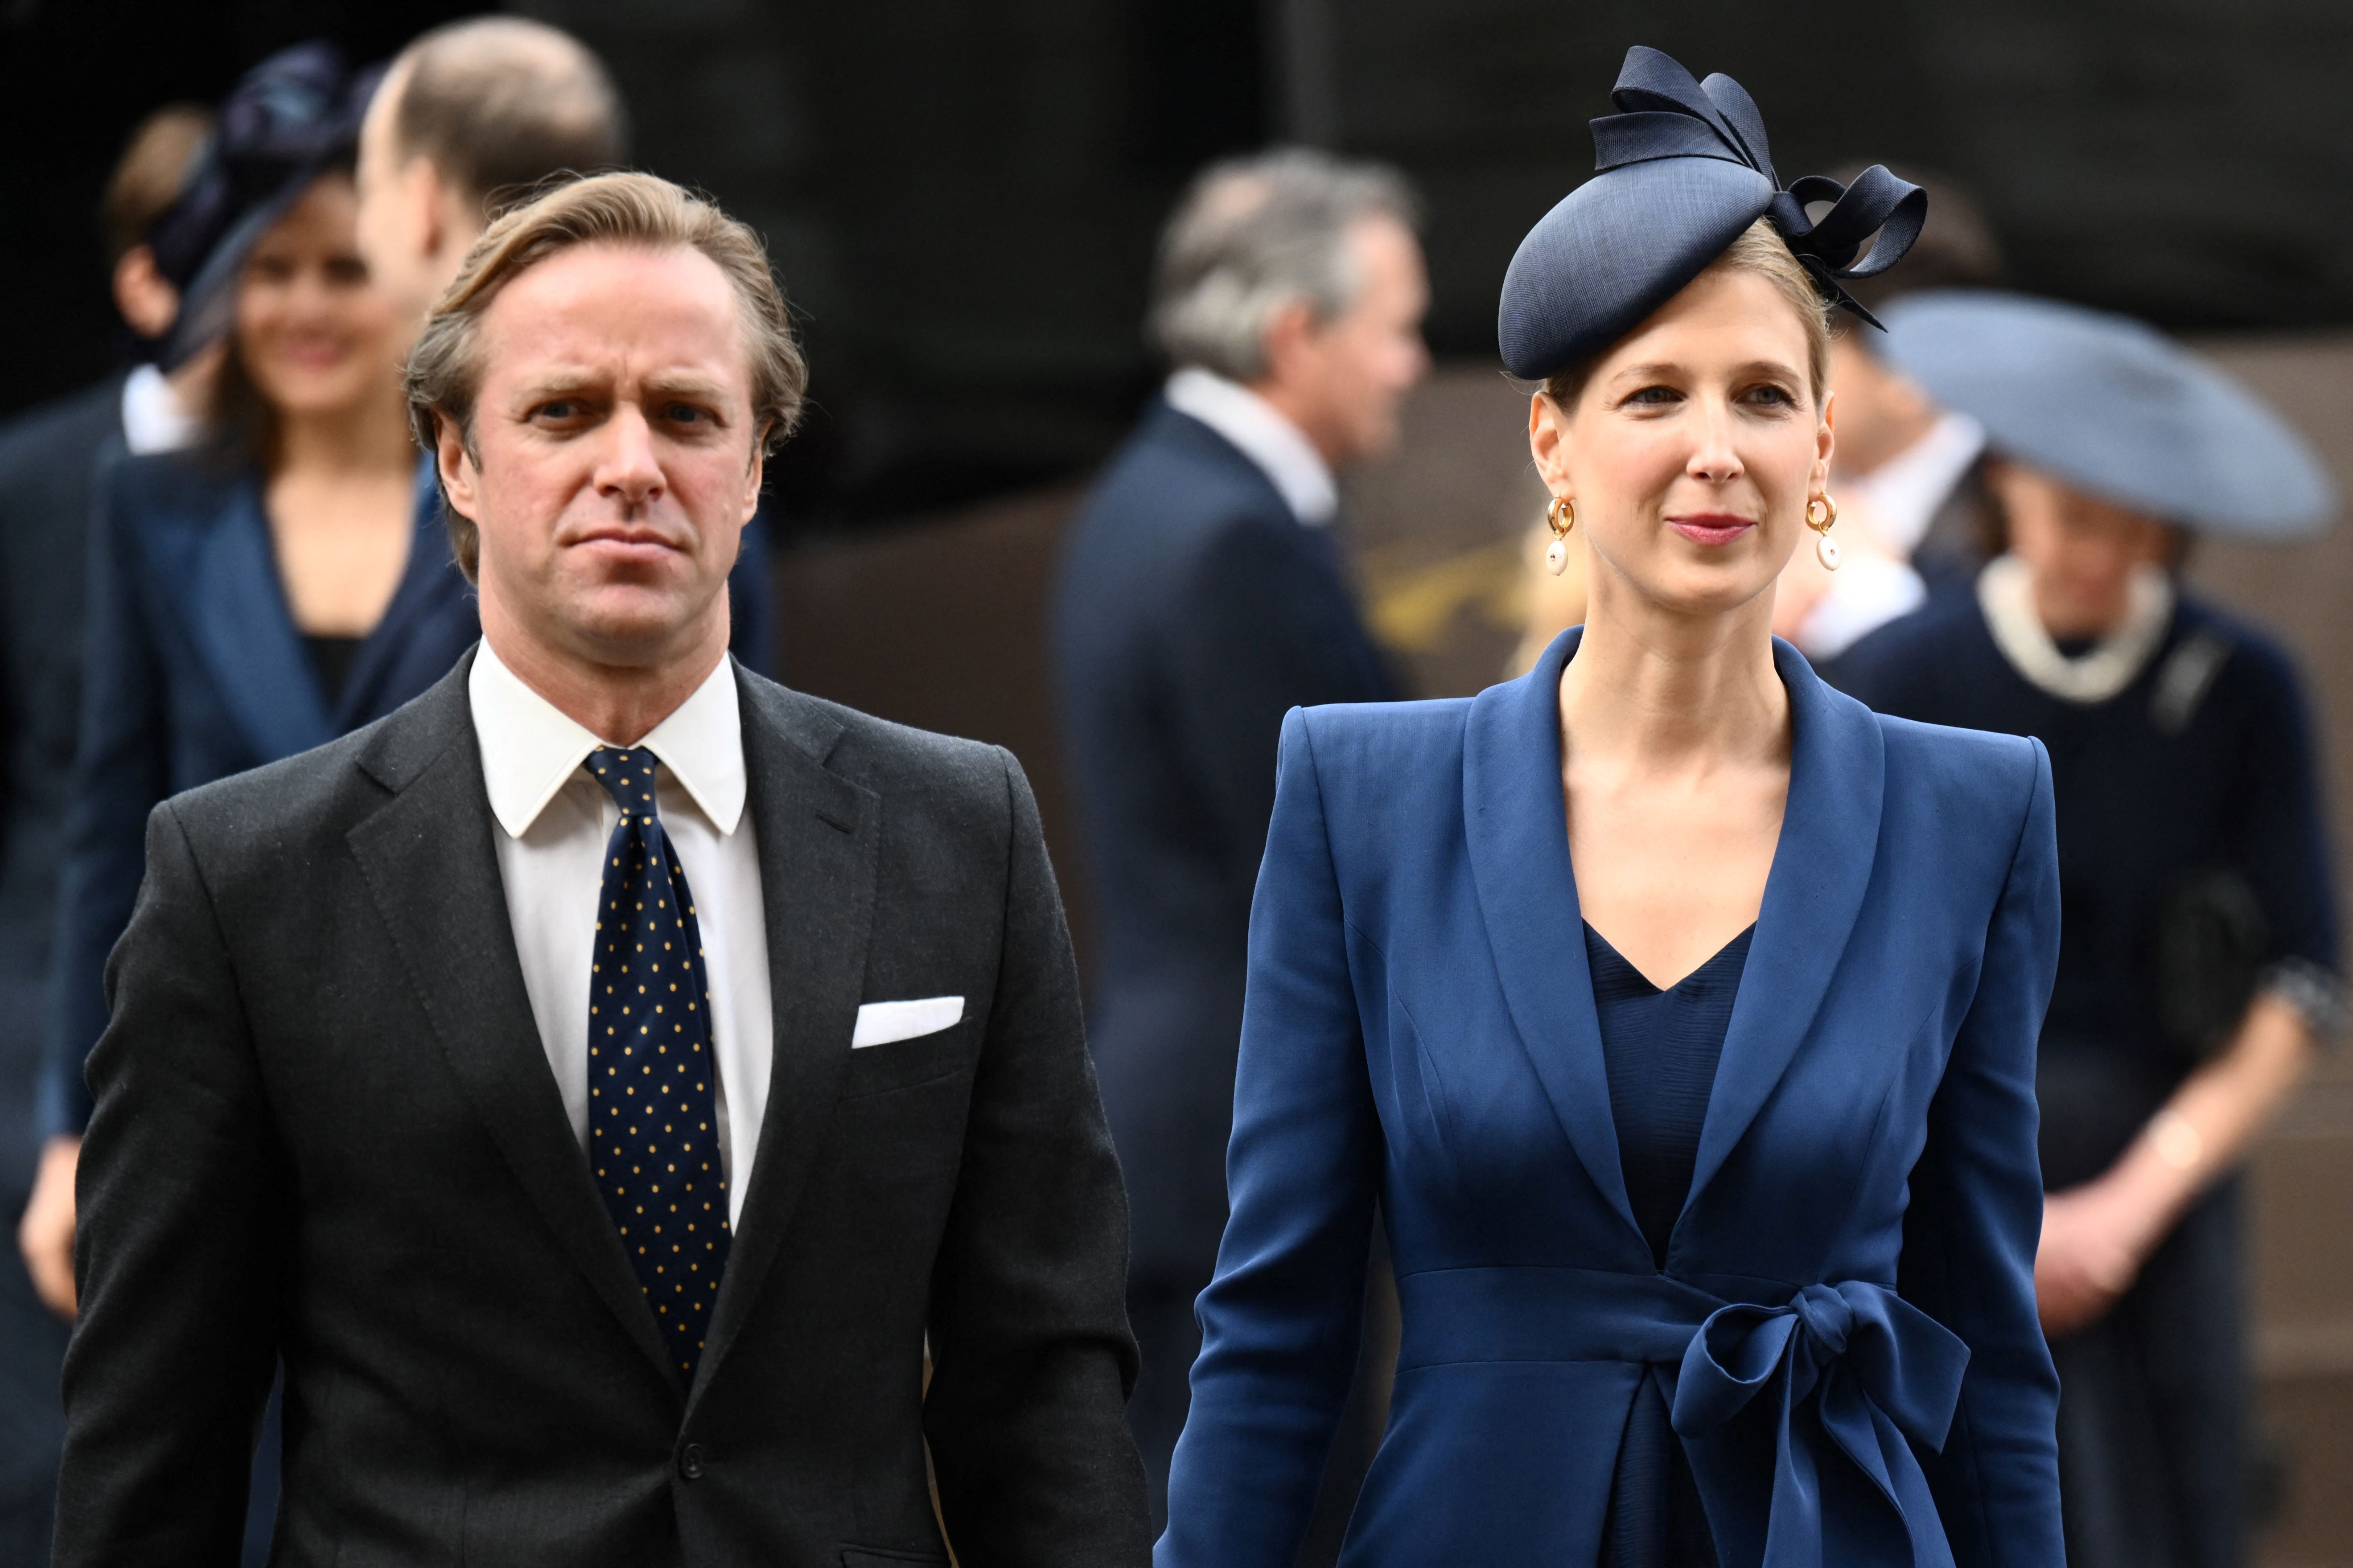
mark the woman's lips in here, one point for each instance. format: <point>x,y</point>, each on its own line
<point>1710,528</point>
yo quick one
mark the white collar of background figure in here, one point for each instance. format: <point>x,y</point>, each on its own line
<point>1290,462</point>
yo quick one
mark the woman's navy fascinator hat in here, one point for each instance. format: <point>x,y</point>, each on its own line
<point>1681,171</point>
<point>286,121</point>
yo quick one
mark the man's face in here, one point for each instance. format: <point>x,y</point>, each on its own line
<point>1345,380</point>
<point>614,459</point>
<point>397,210</point>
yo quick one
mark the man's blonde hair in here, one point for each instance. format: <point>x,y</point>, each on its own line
<point>639,211</point>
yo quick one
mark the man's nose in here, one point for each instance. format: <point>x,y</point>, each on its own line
<point>628,468</point>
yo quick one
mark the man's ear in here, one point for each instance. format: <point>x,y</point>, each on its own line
<point>460,481</point>
<point>758,474</point>
<point>1288,330</point>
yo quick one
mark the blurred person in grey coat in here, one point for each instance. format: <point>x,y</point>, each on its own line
<point>50,457</point>
<point>1202,596</point>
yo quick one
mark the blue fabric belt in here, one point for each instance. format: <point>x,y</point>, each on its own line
<point>1851,1367</point>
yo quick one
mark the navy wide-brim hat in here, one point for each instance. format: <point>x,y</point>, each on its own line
<point>2114,408</point>
<point>1682,169</point>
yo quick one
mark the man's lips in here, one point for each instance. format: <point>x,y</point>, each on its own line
<point>1711,527</point>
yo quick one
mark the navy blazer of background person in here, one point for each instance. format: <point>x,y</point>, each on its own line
<point>1845,1328</point>
<point>1194,610</point>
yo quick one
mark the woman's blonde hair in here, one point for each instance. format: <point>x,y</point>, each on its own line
<point>627,209</point>
<point>1758,249</point>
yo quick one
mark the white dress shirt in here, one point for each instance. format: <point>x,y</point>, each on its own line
<point>554,821</point>
<point>152,417</point>
<point>1266,438</point>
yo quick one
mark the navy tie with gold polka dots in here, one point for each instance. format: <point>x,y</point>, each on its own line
<point>651,1114</point>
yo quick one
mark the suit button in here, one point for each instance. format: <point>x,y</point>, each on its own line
<point>690,1461</point>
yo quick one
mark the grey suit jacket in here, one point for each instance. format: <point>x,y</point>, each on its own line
<point>326,1133</point>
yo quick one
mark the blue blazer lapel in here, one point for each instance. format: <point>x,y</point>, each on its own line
<point>247,636</point>
<point>1822,869</point>
<point>1517,821</point>
<point>424,581</point>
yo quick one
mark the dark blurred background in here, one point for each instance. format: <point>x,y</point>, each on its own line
<point>962,200</point>
<point>962,197</point>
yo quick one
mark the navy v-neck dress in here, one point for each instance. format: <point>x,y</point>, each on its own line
<point>1660,1050</point>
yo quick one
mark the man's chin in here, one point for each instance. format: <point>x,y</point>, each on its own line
<point>632,625</point>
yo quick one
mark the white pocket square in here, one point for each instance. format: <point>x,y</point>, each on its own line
<point>880,1022</point>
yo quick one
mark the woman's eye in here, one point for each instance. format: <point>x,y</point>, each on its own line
<point>1654,397</point>
<point>1774,397</point>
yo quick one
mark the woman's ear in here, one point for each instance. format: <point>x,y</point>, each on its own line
<point>1825,441</point>
<point>1548,442</point>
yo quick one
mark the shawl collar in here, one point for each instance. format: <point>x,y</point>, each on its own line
<point>432,870</point>
<point>245,631</point>
<point>1515,819</point>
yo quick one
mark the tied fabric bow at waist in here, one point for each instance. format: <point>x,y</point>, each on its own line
<point>1669,115</point>
<point>1884,1370</point>
<point>1852,1362</point>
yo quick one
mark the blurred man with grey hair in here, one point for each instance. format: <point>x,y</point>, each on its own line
<point>1202,597</point>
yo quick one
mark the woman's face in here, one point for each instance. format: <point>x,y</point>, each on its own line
<point>2080,549</point>
<point>1693,449</point>
<point>313,335</point>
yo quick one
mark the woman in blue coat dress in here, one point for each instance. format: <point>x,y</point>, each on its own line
<point>1677,1011</point>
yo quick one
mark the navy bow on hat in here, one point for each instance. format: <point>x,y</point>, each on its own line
<point>285,122</point>
<point>1665,114</point>
<point>1680,170</point>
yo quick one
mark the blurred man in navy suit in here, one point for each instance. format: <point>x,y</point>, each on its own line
<point>49,459</point>
<point>1202,597</point>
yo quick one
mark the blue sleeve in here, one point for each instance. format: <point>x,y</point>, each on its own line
<point>1282,1321</point>
<point>2286,841</point>
<point>120,773</point>
<point>1974,1222</point>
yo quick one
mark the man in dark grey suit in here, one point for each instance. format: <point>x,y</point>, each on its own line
<point>601,1081</point>
<point>1201,598</point>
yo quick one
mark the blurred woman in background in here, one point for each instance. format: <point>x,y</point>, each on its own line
<point>2199,961</point>
<point>285,582</point>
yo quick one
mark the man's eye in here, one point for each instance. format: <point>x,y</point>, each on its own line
<point>559,409</point>
<point>685,413</point>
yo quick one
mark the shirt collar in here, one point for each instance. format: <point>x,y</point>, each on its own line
<point>1290,462</point>
<point>153,419</point>
<point>1906,491</point>
<point>531,748</point>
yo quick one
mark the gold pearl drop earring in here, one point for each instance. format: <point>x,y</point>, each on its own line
<point>1560,517</point>
<point>1821,516</point>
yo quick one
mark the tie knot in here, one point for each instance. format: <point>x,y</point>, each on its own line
<point>628,776</point>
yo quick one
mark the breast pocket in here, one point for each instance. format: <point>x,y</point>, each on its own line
<point>903,1044</point>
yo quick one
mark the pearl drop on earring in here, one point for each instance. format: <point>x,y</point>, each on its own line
<point>1556,557</point>
<point>1826,551</point>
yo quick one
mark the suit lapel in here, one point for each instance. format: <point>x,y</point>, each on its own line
<point>1516,820</point>
<point>430,576</point>
<point>819,840</point>
<point>1821,871</point>
<point>247,634</point>
<point>431,868</point>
